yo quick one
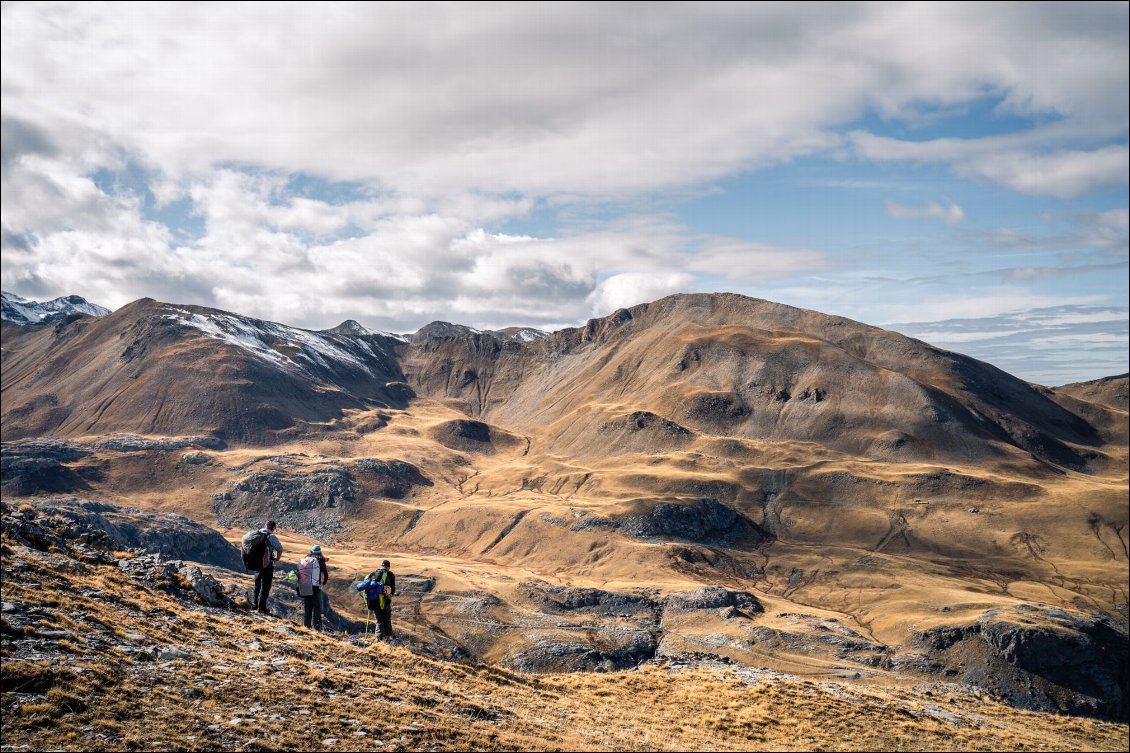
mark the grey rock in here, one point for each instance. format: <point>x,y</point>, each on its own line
<point>553,598</point>
<point>706,520</point>
<point>133,443</point>
<point>210,591</point>
<point>99,527</point>
<point>36,466</point>
<point>711,597</point>
<point>311,503</point>
<point>1038,658</point>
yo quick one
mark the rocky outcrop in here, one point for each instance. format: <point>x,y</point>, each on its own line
<point>559,652</point>
<point>1038,658</point>
<point>393,478</point>
<point>313,498</point>
<point>37,466</point>
<point>547,597</point>
<point>307,501</point>
<point>711,597</point>
<point>133,443</point>
<point>465,436</point>
<point>97,524</point>
<point>704,521</point>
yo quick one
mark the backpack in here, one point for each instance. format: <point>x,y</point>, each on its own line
<point>307,566</point>
<point>372,585</point>
<point>253,550</point>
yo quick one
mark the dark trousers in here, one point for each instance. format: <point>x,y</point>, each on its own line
<point>384,619</point>
<point>263,587</point>
<point>312,609</point>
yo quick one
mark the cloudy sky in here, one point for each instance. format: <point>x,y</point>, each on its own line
<point>956,172</point>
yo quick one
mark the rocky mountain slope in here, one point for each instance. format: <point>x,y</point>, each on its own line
<point>704,474</point>
<point>154,368</point>
<point>719,365</point>
<point>726,365</point>
<point>111,650</point>
<point>1113,392</point>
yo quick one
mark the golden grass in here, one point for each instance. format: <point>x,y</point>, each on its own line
<point>262,684</point>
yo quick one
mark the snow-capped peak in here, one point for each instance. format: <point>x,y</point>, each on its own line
<point>22,311</point>
<point>286,347</point>
<point>521,334</point>
<point>353,328</point>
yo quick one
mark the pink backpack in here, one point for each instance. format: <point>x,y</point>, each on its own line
<point>307,575</point>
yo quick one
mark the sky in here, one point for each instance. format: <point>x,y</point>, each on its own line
<point>955,172</point>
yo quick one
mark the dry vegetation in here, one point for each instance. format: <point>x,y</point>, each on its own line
<point>240,681</point>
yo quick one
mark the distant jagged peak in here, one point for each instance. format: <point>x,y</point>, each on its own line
<point>520,334</point>
<point>354,328</point>
<point>348,327</point>
<point>22,311</point>
<point>439,330</point>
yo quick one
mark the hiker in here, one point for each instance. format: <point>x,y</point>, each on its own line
<point>265,540</point>
<point>313,573</point>
<point>379,588</point>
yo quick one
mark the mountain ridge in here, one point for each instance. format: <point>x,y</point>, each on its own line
<point>22,311</point>
<point>891,506</point>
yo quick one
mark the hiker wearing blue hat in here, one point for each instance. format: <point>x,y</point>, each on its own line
<point>313,573</point>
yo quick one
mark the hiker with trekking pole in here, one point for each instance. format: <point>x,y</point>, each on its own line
<point>378,590</point>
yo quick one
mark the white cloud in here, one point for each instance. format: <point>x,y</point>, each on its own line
<point>630,288</point>
<point>951,213</point>
<point>1064,174</point>
<point>987,302</point>
<point>591,99</point>
<point>1029,162</point>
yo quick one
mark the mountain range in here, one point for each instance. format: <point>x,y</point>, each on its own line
<point>703,474</point>
<point>22,311</point>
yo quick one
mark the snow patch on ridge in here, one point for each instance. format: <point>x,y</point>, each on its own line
<point>22,311</point>
<point>282,346</point>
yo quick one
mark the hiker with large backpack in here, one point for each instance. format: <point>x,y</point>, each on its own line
<point>378,590</point>
<point>313,573</point>
<point>261,549</point>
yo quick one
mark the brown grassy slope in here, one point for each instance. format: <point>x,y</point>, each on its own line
<point>139,370</point>
<point>889,545</point>
<point>1112,391</point>
<point>88,674</point>
<point>730,365</point>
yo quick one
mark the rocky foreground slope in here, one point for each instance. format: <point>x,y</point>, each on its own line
<point>105,649</point>
<point>1031,657</point>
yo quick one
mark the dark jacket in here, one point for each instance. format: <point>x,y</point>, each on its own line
<point>388,578</point>
<point>324,570</point>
